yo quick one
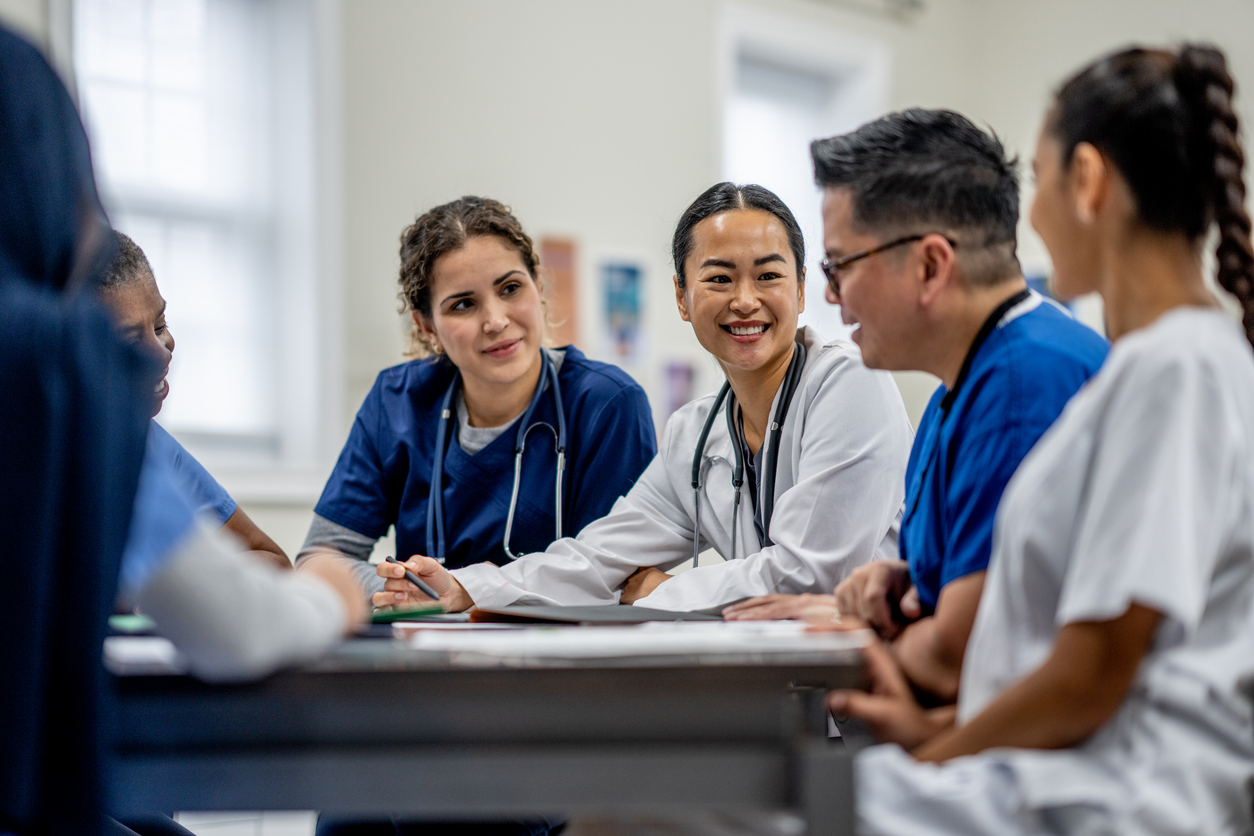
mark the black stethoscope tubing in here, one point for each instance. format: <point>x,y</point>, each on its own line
<point>435,502</point>
<point>700,465</point>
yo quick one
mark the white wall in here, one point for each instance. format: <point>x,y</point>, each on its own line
<point>595,120</point>
<point>1028,48</point>
<point>29,17</point>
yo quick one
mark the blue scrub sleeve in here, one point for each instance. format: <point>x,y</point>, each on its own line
<point>207,495</point>
<point>164,515</point>
<point>616,446</point>
<point>356,493</point>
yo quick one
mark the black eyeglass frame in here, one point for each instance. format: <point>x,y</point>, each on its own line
<point>831,269</point>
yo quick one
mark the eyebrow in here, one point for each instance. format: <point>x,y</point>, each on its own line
<point>731,265</point>
<point>465,293</point>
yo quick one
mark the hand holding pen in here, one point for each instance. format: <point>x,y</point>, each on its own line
<point>419,580</point>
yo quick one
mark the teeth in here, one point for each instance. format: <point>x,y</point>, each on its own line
<point>745,332</point>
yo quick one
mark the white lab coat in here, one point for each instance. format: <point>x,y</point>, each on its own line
<point>839,494</point>
<point>1143,491</point>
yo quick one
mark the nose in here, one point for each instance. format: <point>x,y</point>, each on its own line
<point>745,298</point>
<point>831,294</point>
<point>494,317</point>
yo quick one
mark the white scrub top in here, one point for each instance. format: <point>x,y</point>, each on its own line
<point>838,500</point>
<point>1142,492</point>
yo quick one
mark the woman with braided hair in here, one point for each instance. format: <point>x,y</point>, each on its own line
<point>1109,679</point>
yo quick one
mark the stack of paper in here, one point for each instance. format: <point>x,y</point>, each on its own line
<point>651,639</point>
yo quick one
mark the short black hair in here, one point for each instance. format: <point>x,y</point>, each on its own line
<point>920,168</point>
<point>725,197</point>
<point>129,265</point>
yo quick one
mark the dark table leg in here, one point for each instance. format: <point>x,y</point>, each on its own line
<point>824,783</point>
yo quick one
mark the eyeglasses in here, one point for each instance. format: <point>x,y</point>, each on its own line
<point>831,269</point>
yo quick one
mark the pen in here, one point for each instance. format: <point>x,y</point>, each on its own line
<point>415,580</point>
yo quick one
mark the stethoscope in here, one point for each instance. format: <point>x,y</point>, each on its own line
<point>701,465</point>
<point>435,506</point>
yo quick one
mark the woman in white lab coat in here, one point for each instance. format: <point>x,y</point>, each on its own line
<point>1107,686</point>
<point>820,443</point>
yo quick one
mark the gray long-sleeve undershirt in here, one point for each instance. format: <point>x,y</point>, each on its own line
<point>324,534</point>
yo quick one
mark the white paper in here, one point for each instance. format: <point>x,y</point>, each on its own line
<point>649,639</point>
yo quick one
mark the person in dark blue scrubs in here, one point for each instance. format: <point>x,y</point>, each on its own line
<point>469,279</point>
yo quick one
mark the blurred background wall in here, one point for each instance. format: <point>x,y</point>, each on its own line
<point>598,122</point>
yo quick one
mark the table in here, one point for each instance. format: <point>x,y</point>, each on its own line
<point>376,727</point>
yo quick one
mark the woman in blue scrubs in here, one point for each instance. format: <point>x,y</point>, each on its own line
<point>469,280</point>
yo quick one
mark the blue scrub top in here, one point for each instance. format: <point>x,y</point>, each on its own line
<point>207,495</point>
<point>1017,384</point>
<point>165,514</point>
<point>383,474</point>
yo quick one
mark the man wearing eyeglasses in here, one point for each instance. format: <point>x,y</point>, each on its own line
<point>920,211</point>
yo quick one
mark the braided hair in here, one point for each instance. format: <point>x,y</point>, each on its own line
<point>1165,119</point>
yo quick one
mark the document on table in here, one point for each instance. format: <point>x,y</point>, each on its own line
<point>142,655</point>
<point>654,639</point>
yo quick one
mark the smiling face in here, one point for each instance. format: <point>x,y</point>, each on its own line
<point>139,311</point>
<point>876,293</point>
<point>743,292</point>
<point>485,312</point>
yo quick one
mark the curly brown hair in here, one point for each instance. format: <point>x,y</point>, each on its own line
<point>443,230</point>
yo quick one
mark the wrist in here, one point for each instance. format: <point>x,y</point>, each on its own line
<point>456,598</point>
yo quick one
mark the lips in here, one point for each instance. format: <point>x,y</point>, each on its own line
<point>746,332</point>
<point>503,349</point>
<point>161,389</point>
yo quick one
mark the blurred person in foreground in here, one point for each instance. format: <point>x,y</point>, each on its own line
<point>1108,683</point>
<point>129,289</point>
<point>920,216</point>
<point>76,487</point>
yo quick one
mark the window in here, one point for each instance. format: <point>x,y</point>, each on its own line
<point>202,117</point>
<point>787,83</point>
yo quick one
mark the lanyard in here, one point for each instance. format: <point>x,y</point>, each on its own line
<point>994,319</point>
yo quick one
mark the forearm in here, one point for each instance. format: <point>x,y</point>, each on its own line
<point>256,541</point>
<point>235,618</point>
<point>1078,688</point>
<point>1043,711</point>
<point>926,662</point>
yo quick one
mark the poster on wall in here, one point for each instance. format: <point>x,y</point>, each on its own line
<point>622,289</point>
<point>561,289</point>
